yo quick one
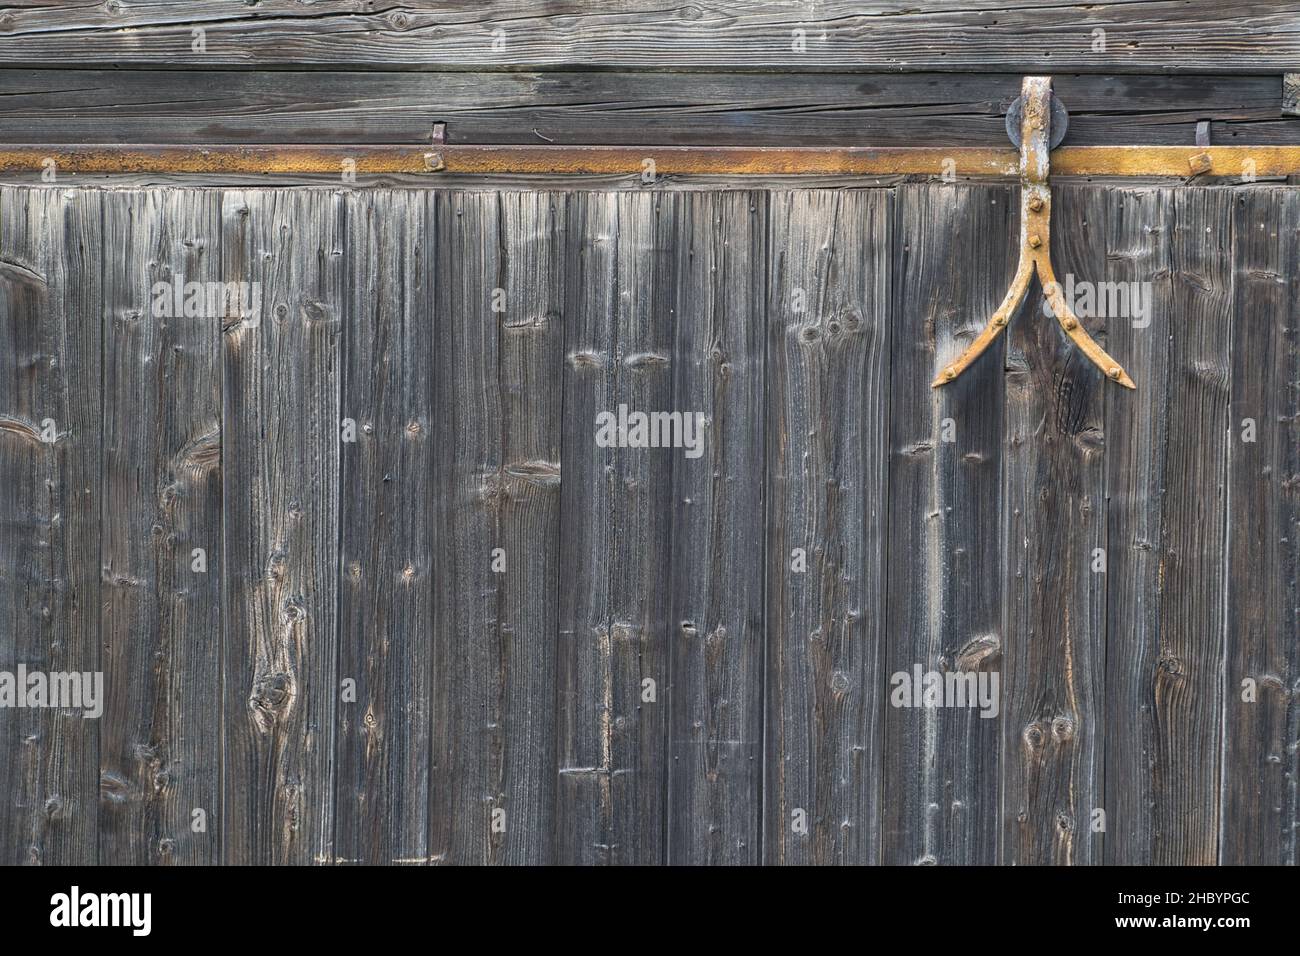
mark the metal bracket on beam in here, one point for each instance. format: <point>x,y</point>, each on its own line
<point>1035,244</point>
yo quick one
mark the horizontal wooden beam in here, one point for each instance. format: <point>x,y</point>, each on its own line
<point>1161,36</point>
<point>619,108</point>
<point>650,161</point>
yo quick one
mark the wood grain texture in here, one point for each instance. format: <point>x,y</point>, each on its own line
<point>619,107</point>
<point>640,689</point>
<point>280,475</point>
<point>1263,614</point>
<point>888,35</point>
<point>161,626</point>
<point>1053,507</point>
<point>719,298</point>
<point>617,676</point>
<point>500,288</point>
<point>1139,227</point>
<point>827,413</point>
<point>590,803</point>
<point>472,337</point>
<point>954,257</point>
<point>534,245</point>
<point>1165,624</point>
<point>50,303</point>
<point>1188,680</point>
<point>644,364</point>
<point>386,493</point>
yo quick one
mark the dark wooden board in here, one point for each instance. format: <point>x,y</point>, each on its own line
<point>954,256</point>
<point>618,697</point>
<point>51,301</point>
<point>500,283</point>
<point>1262,717</point>
<point>882,35</point>
<point>161,626</point>
<point>715,634</point>
<point>386,493</point>
<point>1188,677</point>
<point>621,107</point>
<point>1139,228</point>
<point>639,692</point>
<point>828,356</point>
<point>589,803</point>
<point>280,478</point>
<point>1167,485</point>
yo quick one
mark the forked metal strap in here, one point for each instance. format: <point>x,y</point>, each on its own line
<point>1035,245</point>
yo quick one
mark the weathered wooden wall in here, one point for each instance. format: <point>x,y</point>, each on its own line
<point>805,323</point>
<point>1158,36</point>
<point>472,337</point>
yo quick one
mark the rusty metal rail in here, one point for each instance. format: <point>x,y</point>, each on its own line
<point>1178,162</point>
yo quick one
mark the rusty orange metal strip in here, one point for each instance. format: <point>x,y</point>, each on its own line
<point>1182,162</point>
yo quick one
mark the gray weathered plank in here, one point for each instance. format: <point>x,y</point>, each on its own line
<point>280,461</point>
<point>719,243</point>
<point>1139,229</point>
<point>620,107</point>
<point>827,426</point>
<point>1166,484</point>
<point>1263,615</point>
<point>499,288</point>
<point>955,254</point>
<point>161,630</point>
<point>639,563</point>
<point>637,559</point>
<point>1188,680</point>
<point>1005,35</point>
<point>386,494</point>
<point>50,303</point>
<point>1054,511</point>
<point>615,571</point>
<point>585,811</point>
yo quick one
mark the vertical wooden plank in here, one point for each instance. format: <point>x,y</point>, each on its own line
<point>531,354</point>
<point>617,687</point>
<point>1188,681</point>
<point>1165,641</point>
<point>1139,233</point>
<point>467,447</point>
<point>718,362</point>
<point>280,463</point>
<point>955,255</point>
<point>828,355</point>
<point>386,487</point>
<point>1053,504</point>
<point>1261,718</point>
<point>584,829</point>
<point>653,229</point>
<point>50,340</point>
<point>164,308</point>
<point>500,292</point>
